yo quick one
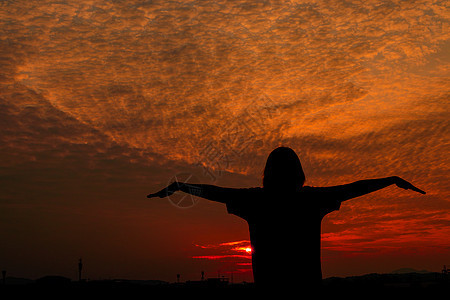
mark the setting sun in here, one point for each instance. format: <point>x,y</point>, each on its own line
<point>242,249</point>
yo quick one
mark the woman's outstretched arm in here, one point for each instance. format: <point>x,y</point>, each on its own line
<point>207,191</point>
<point>362,187</point>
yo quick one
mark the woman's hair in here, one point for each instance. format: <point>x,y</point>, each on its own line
<point>283,171</point>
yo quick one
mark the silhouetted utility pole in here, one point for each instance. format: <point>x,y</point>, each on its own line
<point>80,267</point>
<point>203,275</point>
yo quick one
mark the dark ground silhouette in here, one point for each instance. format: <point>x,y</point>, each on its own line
<point>366,286</point>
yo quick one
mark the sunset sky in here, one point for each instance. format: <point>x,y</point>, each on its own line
<point>104,102</point>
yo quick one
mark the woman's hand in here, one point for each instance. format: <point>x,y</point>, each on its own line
<point>401,183</point>
<point>172,188</point>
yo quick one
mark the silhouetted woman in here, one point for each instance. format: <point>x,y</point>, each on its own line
<point>284,217</point>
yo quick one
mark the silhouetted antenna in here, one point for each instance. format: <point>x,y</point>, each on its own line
<point>80,267</point>
<point>203,275</point>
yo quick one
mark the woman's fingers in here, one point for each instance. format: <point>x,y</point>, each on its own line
<point>161,194</point>
<point>164,192</point>
<point>417,189</point>
<point>408,186</point>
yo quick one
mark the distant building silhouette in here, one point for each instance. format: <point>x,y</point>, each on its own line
<point>209,282</point>
<point>52,280</point>
<point>80,267</point>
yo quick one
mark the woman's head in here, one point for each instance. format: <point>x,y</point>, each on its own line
<point>283,171</point>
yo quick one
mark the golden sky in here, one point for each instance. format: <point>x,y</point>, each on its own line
<point>104,102</point>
